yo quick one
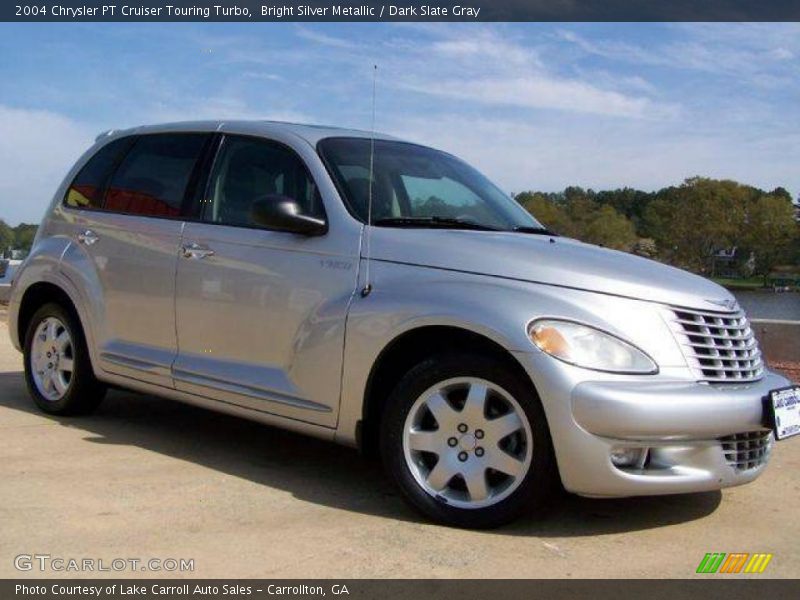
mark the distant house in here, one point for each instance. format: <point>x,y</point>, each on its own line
<point>727,262</point>
<point>14,254</point>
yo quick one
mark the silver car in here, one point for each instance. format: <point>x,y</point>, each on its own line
<point>385,295</point>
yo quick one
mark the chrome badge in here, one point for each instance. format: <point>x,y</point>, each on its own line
<point>726,303</point>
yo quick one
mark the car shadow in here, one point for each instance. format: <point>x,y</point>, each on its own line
<point>324,473</point>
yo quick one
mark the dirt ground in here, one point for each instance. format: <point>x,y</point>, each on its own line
<point>149,478</point>
<point>790,369</point>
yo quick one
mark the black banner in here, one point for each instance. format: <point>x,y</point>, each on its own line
<point>712,588</point>
<point>410,10</point>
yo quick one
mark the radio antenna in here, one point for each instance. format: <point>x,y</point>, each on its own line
<point>368,231</point>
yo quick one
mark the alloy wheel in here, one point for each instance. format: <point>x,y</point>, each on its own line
<point>52,359</point>
<point>468,442</point>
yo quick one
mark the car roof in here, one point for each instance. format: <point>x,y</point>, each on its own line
<point>309,132</point>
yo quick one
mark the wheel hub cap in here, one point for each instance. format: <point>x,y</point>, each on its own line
<point>52,359</point>
<point>468,441</point>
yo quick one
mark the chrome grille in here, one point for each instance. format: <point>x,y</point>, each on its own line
<point>719,347</point>
<point>744,451</point>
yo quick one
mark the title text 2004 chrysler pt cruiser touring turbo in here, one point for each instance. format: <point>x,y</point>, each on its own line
<point>228,265</point>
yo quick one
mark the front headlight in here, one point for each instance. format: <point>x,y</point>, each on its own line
<point>587,347</point>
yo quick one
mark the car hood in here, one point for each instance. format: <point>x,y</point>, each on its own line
<point>549,260</point>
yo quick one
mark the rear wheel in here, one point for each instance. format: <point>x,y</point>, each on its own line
<point>57,367</point>
<point>465,438</point>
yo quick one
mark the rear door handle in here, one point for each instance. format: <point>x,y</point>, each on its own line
<point>197,251</point>
<point>88,237</point>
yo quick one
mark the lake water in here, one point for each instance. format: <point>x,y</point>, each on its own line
<point>762,304</point>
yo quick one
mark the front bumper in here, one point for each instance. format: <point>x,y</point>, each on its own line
<point>681,424</point>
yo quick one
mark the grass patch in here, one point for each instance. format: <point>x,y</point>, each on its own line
<point>751,283</point>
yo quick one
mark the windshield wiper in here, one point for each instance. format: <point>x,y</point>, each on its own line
<point>443,222</point>
<point>535,230</point>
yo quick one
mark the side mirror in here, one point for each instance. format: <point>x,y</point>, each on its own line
<point>275,211</point>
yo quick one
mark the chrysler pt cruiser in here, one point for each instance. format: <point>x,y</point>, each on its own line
<point>386,295</point>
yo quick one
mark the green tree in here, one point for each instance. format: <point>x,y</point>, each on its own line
<point>576,213</point>
<point>547,210</point>
<point>580,209</point>
<point>684,225</point>
<point>6,237</point>
<point>23,236</point>
<point>607,227</point>
<point>782,192</point>
<point>771,232</point>
<point>628,201</point>
<point>693,220</point>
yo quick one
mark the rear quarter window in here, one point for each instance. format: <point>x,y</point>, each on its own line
<point>86,190</point>
<point>153,177</point>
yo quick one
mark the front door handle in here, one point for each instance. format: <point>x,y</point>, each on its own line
<point>197,251</point>
<point>88,237</point>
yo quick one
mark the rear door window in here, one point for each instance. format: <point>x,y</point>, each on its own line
<point>87,188</point>
<point>155,174</point>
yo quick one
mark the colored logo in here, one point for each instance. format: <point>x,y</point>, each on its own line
<point>736,562</point>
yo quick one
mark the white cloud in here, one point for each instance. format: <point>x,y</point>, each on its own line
<point>546,92</point>
<point>219,107</point>
<point>485,67</point>
<point>483,64</point>
<point>37,148</point>
<point>486,45</point>
<point>743,51</point>
<point>324,39</point>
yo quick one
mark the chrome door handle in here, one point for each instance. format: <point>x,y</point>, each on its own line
<point>88,237</point>
<point>197,251</point>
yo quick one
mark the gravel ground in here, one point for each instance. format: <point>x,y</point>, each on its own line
<point>790,369</point>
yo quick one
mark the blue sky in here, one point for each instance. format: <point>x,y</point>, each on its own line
<point>534,106</point>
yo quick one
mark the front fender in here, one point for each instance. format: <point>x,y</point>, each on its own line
<point>408,297</point>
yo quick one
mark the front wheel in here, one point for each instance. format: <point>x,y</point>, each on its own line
<point>57,366</point>
<point>466,439</point>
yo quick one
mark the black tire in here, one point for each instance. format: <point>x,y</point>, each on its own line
<point>538,486</point>
<point>84,393</point>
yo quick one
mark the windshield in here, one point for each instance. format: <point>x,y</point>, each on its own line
<point>418,186</point>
